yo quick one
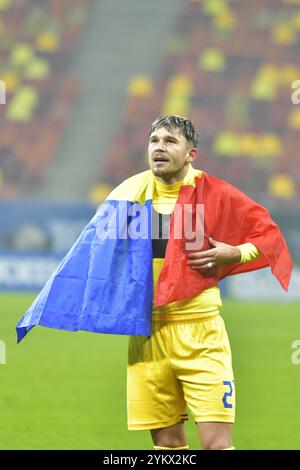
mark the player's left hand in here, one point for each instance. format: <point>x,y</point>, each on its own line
<point>207,262</point>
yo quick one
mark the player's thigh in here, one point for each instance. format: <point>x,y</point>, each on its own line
<point>202,361</point>
<point>210,401</point>
<point>171,436</point>
<point>154,394</point>
<point>215,436</point>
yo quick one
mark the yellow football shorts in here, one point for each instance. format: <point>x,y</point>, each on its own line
<point>185,363</point>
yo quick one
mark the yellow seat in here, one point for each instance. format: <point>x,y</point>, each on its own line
<point>214,7</point>
<point>270,145</point>
<point>249,144</point>
<point>47,42</point>
<point>11,80</point>
<point>212,60</point>
<point>288,73</point>
<point>140,86</point>
<point>294,119</point>
<point>176,105</point>
<point>22,105</point>
<point>5,4</point>
<point>284,34</point>
<point>37,69</point>
<point>227,144</point>
<point>282,186</point>
<point>225,20</point>
<point>21,54</point>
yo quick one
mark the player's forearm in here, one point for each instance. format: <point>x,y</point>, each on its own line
<point>249,252</point>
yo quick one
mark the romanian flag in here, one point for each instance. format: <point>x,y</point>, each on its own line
<point>105,282</point>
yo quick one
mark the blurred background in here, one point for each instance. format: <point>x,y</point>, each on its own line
<point>81,83</point>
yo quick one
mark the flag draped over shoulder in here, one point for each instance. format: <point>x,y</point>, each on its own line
<point>230,217</point>
<point>105,282</point>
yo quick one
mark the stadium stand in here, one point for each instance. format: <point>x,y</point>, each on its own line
<point>37,39</point>
<point>229,67</point>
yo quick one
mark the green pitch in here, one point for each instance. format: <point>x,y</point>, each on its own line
<point>61,390</point>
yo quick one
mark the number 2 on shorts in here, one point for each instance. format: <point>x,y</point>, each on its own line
<point>227,394</point>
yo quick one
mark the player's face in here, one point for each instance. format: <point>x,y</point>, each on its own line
<point>169,155</point>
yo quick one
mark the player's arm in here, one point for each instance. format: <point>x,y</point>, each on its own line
<point>249,252</point>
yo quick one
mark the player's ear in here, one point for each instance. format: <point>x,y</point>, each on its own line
<point>192,155</point>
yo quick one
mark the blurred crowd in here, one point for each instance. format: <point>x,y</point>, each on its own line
<point>229,67</point>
